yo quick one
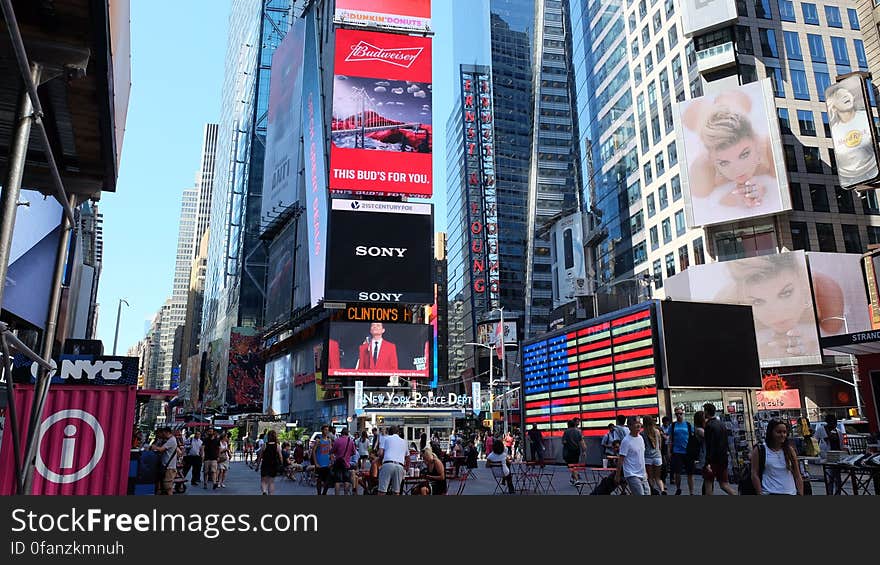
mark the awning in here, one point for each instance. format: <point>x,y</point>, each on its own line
<point>860,343</point>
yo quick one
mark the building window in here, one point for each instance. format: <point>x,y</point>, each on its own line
<point>768,42</point>
<point>800,237</point>
<point>805,122</point>
<point>792,46</point>
<point>869,202</point>
<point>762,9</point>
<point>812,161</point>
<point>845,204</point>
<point>791,162</point>
<point>823,81</point>
<point>861,58</point>
<point>658,274</point>
<point>672,152</point>
<point>672,36</point>
<point>655,239</point>
<point>658,21</point>
<point>853,18</point>
<point>660,49</point>
<point>684,260</point>
<point>786,10</point>
<point>799,84</point>
<point>852,241</point>
<point>745,242</point>
<point>670,265</point>
<point>696,88</point>
<point>741,9</point>
<point>826,126</point>
<point>655,129</point>
<point>646,143</point>
<point>825,233</point>
<point>635,48</point>
<point>748,73</point>
<point>631,22</point>
<point>659,164</point>
<point>680,225</point>
<point>664,82</point>
<point>663,196</point>
<point>797,197</point>
<point>643,9</point>
<point>817,48</point>
<point>690,53</point>
<point>634,192</point>
<point>778,81</point>
<point>666,228</point>
<point>652,208</point>
<point>699,257</point>
<point>784,123</point>
<point>744,40</point>
<point>832,16</point>
<point>636,223</point>
<point>649,62</point>
<point>811,14</point>
<point>675,183</point>
<point>640,254</point>
<point>646,36</point>
<point>838,47</point>
<point>676,69</point>
<point>873,235</point>
<point>819,198</point>
<point>649,176</point>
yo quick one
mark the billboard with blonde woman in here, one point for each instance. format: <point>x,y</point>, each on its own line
<point>839,292</point>
<point>777,287</point>
<point>732,155</point>
<point>855,143</point>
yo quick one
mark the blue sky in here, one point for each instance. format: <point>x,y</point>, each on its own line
<point>177,53</point>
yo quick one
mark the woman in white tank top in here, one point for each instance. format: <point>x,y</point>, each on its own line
<point>781,473</point>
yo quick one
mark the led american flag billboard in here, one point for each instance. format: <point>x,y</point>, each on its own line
<point>595,371</point>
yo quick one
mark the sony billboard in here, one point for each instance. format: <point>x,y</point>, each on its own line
<point>380,252</point>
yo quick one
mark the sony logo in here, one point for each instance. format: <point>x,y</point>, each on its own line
<point>364,251</point>
<point>379,296</point>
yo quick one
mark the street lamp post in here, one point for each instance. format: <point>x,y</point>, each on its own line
<point>118,314</point>
<point>852,364</point>
<point>491,349</point>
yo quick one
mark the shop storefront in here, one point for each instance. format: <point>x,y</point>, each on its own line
<point>413,413</point>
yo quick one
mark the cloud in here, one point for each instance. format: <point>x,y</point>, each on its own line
<point>420,94</point>
<point>380,89</point>
<point>426,106</point>
<point>379,104</point>
<point>397,90</point>
<point>412,88</point>
<point>383,83</point>
<point>341,77</point>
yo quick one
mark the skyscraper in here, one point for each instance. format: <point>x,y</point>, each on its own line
<point>236,258</point>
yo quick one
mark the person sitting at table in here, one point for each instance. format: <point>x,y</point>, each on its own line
<point>370,481</point>
<point>500,458</point>
<point>434,473</point>
<point>470,457</point>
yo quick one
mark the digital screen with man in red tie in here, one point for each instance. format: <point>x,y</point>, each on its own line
<point>376,349</point>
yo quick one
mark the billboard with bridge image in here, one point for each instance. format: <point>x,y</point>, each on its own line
<point>381,132</point>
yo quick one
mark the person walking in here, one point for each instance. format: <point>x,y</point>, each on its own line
<point>341,453</point>
<point>653,455</point>
<point>573,446</point>
<point>774,464</point>
<point>393,456</point>
<point>321,461</point>
<point>210,455</point>
<point>717,453</point>
<point>363,448</point>
<point>631,467</point>
<point>681,445</point>
<point>536,444</point>
<point>270,463</point>
<point>258,450</point>
<point>193,458</point>
<point>223,458</point>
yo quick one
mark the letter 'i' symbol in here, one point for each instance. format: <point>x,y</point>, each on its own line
<point>68,445</point>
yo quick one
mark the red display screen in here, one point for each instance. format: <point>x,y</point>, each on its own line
<point>381,132</point>
<point>594,371</point>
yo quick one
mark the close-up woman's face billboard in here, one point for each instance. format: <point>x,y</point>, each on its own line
<point>855,144</point>
<point>733,161</point>
<point>839,292</point>
<point>777,287</point>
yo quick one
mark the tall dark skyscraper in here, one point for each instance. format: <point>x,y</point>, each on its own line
<point>535,172</point>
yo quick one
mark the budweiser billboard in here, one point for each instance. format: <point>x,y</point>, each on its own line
<point>408,15</point>
<point>84,440</point>
<point>381,133</point>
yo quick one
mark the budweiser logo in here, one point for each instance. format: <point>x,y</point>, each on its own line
<point>401,57</point>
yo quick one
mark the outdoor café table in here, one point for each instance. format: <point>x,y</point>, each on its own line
<point>410,483</point>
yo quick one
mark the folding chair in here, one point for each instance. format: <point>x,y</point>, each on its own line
<point>462,481</point>
<point>498,475</point>
<point>582,476</point>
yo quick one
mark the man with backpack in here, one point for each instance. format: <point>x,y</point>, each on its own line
<point>682,444</point>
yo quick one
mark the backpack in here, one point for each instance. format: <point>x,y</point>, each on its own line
<point>745,482</point>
